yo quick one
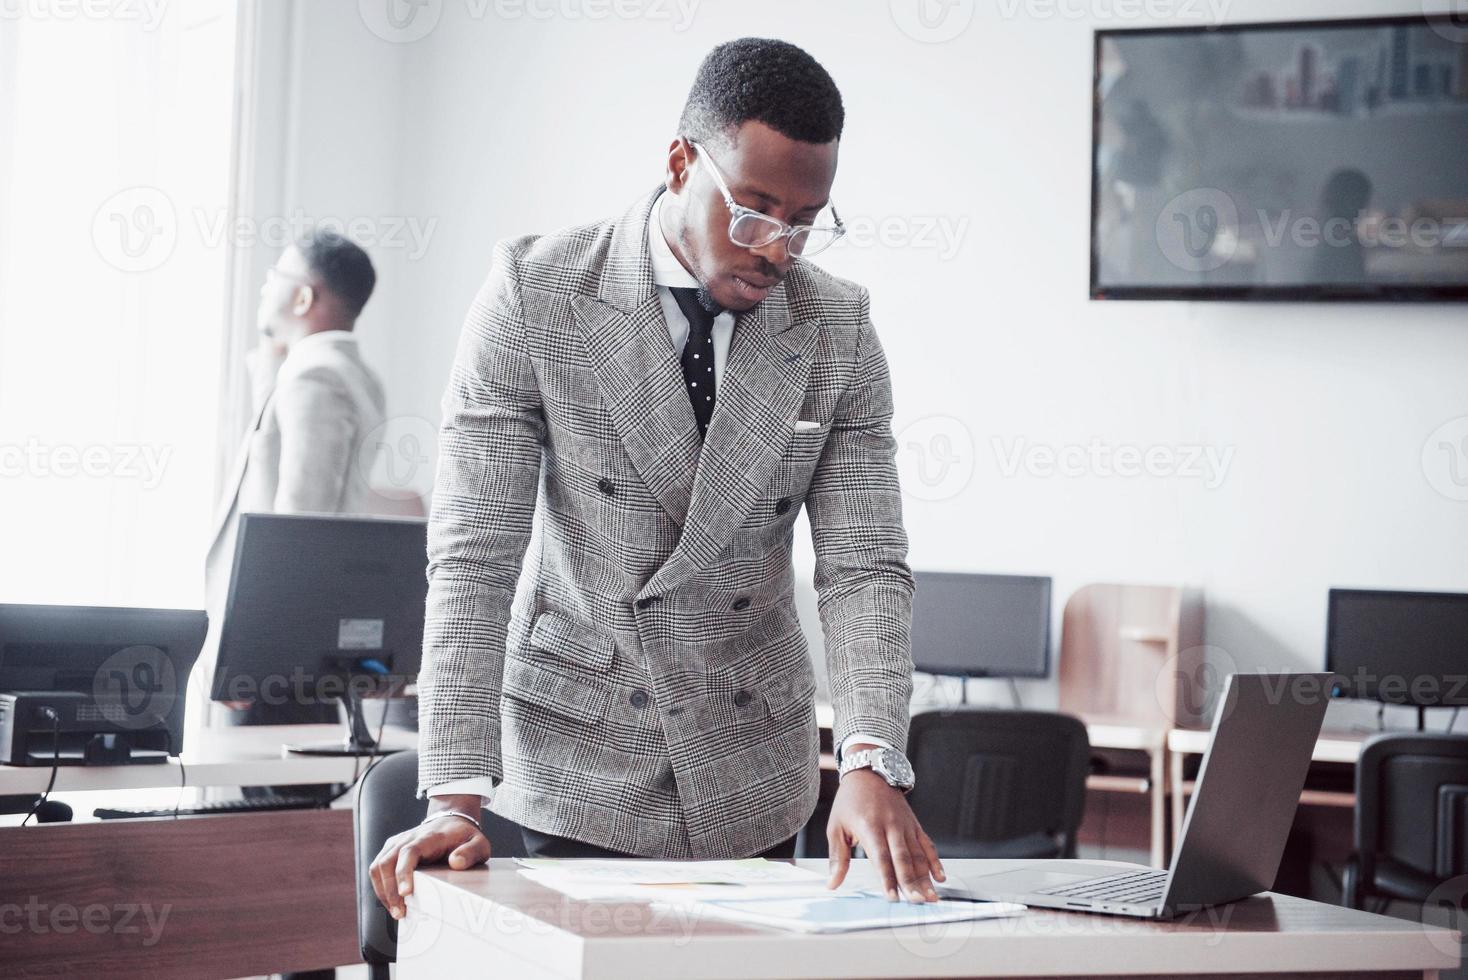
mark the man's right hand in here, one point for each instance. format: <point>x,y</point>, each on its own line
<point>428,843</point>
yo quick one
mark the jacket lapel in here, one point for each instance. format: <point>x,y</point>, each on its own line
<point>636,368</point>
<point>760,392</point>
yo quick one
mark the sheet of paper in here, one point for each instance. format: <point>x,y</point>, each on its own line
<point>681,892</point>
<point>637,871</point>
<point>849,912</point>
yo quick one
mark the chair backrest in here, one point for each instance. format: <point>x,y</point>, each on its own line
<point>387,804</point>
<point>989,777</point>
<point>1412,804</point>
<point>1134,654</point>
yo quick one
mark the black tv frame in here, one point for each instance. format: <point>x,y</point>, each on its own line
<point>1322,293</point>
<point>980,674</point>
<point>1452,697</point>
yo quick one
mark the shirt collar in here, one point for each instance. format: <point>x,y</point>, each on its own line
<point>324,337</point>
<point>666,269</point>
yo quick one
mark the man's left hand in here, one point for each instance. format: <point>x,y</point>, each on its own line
<point>869,812</point>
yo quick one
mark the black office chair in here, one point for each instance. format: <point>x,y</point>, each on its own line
<point>387,805</point>
<point>999,784</point>
<point>1411,818</point>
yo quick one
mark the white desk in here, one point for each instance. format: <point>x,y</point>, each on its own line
<point>494,922</point>
<point>232,756</point>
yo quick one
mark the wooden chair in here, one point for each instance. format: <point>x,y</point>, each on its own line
<point>1134,655</point>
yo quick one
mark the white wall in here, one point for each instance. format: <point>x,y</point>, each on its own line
<point>505,123</point>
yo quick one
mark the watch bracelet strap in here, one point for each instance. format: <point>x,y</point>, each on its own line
<point>868,759</point>
<point>849,763</point>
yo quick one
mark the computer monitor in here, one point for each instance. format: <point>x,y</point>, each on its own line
<point>1399,647</point>
<point>971,625</point>
<point>131,664</point>
<point>323,607</point>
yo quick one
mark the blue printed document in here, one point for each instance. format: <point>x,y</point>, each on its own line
<point>848,912</point>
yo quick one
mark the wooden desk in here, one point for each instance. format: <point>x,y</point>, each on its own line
<point>1336,747</point>
<point>1152,742</point>
<point>217,896</point>
<point>496,923</point>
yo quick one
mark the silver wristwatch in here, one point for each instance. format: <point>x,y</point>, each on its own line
<point>890,764</point>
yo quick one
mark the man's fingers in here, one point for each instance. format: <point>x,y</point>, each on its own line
<point>912,873</point>
<point>374,874</point>
<point>408,859</point>
<point>923,862</point>
<point>840,850</point>
<point>473,851</point>
<point>877,852</point>
<point>383,882</point>
<point>935,864</point>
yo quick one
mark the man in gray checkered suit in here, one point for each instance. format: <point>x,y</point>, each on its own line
<point>638,410</point>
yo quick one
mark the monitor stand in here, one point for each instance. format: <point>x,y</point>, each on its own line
<point>357,741</point>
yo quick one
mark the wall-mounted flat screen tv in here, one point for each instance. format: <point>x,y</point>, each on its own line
<point>1290,161</point>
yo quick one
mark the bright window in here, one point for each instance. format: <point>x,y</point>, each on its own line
<point>115,131</point>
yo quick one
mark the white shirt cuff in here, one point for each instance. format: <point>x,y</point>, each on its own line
<point>857,738</point>
<point>481,786</point>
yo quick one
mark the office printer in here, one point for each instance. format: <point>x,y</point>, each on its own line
<point>94,685</point>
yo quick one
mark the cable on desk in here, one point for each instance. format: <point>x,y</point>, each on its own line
<point>183,776</point>
<point>49,712</point>
<point>357,759</point>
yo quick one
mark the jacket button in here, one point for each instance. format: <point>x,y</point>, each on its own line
<point>742,699</point>
<point>741,603</point>
<point>782,506</point>
<point>647,601</point>
<point>606,486</point>
<point>639,699</point>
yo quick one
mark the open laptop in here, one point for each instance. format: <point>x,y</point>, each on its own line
<point>1264,733</point>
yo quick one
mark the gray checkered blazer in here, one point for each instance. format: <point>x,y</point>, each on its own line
<point>650,691</point>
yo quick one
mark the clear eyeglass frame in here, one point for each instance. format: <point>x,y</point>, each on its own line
<point>749,228</point>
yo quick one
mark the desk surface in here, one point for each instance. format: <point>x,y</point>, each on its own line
<point>1332,746</point>
<point>233,756</point>
<point>497,915</point>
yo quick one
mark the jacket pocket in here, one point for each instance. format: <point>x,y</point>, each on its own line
<point>789,693</point>
<point>561,669</point>
<point>564,638</point>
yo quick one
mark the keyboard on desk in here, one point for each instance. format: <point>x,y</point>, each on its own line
<point>1130,888</point>
<point>209,808</point>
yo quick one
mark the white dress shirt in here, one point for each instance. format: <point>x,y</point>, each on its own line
<point>667,273</point>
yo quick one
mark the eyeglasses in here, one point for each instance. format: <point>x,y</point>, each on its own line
<point>749,228</point>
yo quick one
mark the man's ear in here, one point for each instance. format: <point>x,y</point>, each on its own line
<point>677,175</point>
<point>305,299</point>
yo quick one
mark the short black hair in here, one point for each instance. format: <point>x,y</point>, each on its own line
<point>769,81</point>
<point>341,265</point>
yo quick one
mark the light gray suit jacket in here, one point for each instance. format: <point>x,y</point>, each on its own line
<point>651,691</point>
<point>308,451</point>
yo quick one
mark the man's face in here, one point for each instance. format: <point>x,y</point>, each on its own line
<point>765,171</point>
<point>285,296</point>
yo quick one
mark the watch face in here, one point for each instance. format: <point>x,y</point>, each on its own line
<point>897,767</point>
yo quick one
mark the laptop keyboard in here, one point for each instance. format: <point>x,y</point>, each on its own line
<point>1131,888</point>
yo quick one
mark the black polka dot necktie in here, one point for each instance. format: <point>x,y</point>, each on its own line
<point>698,355</point>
